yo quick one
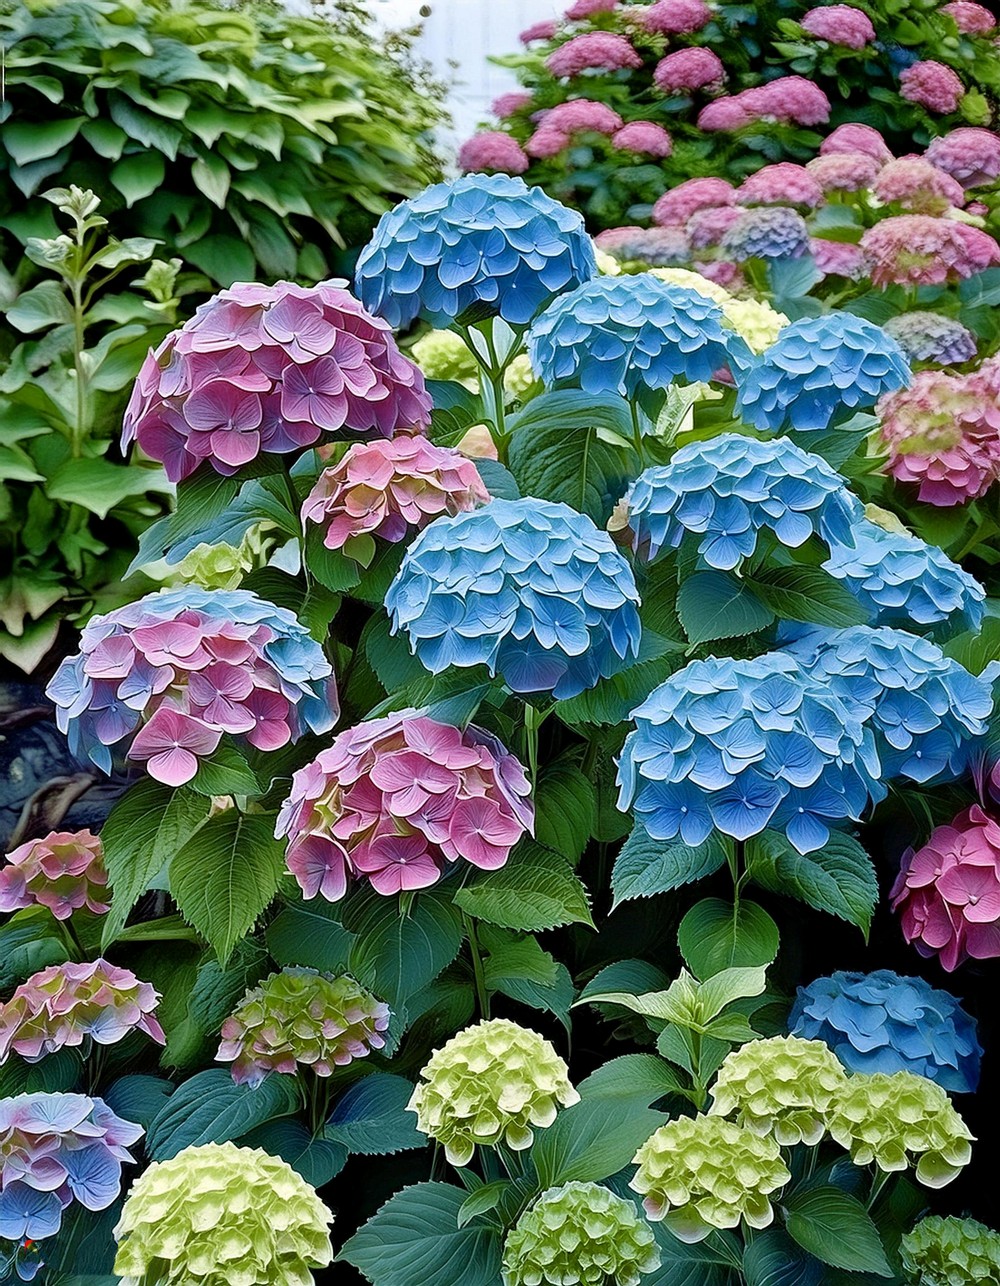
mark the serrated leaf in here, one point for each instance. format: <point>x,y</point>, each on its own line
<point>715,935</point>
<point>209,1108</point>
<point>715,605</point>
<point>310,933</point>
<point>647,866</point>
<point>217,990</point>
<point>564,809</point>
<point>807,594</point>
<point>397,954</point>
<point>316,1159</point>
<point>839,878</point>
<point>835,1227</point>
<point>641,1078</point>
<point>592,1140</point>
<point>372,1118</point>
<point>226,772</point>
<point>535,890</point>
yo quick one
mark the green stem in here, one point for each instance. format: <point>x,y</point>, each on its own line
<point>478,973</point>
<point>76,442</point>
<point>882,1177</point>
<point>636,428</point>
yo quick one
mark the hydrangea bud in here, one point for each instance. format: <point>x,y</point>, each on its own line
<point>579,1233</point>
<point>300,1017</point>
<point>490,1083</point>
<point>219,1215</point>
<point>443,355</point>
<point>223,566</point>
<point>64,871</point>
<point>951,1252</point>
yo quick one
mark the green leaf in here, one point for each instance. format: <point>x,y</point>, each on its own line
<point>807,594</point>
<point>138,1098</point>
<point>773,1259</point>
<point>98,485</point>
<point>839,878</point>
<point>592,1140</point>
<point>715,935</point>
<point>715,605</point>
<point>209,1108</point>
<point>564,809</point>
<point>483,1200</point>
<point>397,954</point>
<point>415,1237</point>
<point>28,142</point>
<point>137,176</point>
<point>646,866</point>
<point>519,968</point>
<point>309,933</point>
<point>201,500</point>
<point>43,305</point>
<point>706,1263</point>
<point>835,1227</point>
<point>534,890</point>
<point>223,258</point>
<point>640,1078</point>
<point>211,175</point>
<point>976,651</point>
<point>316,1159</point>
<point>226,772</point>
<point>225,875</point>
<point>217,991</point>
<point>29,941</point>
<point>372,1117</point>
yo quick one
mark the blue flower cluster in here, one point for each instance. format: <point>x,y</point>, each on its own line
<point>740,746</point>
<point>730,488</point>
<point>903,581</point>
<point>932,337</point>
<point>475,247</point>
<point>533,590</point>
<point>925,710</point>
<point>631,334</point>
<point>881,1022</point>
<point>775,232</point>
<point>816,370</point>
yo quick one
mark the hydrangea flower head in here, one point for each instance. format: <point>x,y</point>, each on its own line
<point>971,19</point>
<point>645,138</point>
<point>61,1006</point>
<point>839,24</point>
<point>898,1121</point>
<point>856,138</point>
<point>544,30</point>
<point>727,113</point>
<point>533,590</point>
<point>729,489</point>
<point>688,71</point>
<point>941,1251</point>
<point>582,116</point>
<point>837,258</point>
<point>755,321</point>
<point>270,369</point>
<point>673,17</point>
<point>932,85</point>
<point>881,1022</point>
<point>781,1087</point>
<point>546,143</point>
<point>579,10</point>
<point>675,207</point>
<point>904,581</point>
<point>513,101</point>
<point>916,185</point>
<point>969,154</point>
<point>391,489</point>
<point>844,171</point>
<point>770,232</point>
<point>707,228</point>
<point>174,672</point>
<point>474,245</point>
<point>493,1082</point>
<point>920,250</point>
<point>634,335</point>
<point>782,184</point>
<point>395,800</point>
<point>817,368</point>
<point>947,893</point>
<point>655,247</point>
<point>579,1233</point>
<point>64,871</point>
<point>695,281</point>
<point>221,1215</point>
<point>788,100</point>
<point>301,1018</point>
<point>492,151</point>
<point>708,1173</point>
<point>221,565</point>
<point>57,1148</point>
<point>443,355</point>
<point>932,337</point>
<point>739,746</point>
<point>602,51</point>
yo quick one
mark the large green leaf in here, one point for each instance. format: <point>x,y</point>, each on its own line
<point>715,605</point>
<point>29,941</point>
<point>209,1108</point>
<point>716,935</point>
<point>839,878</point>
<point>592,1140</point>
<point>98,485</point>
<point>773,1259</point>
<point>43,305</point>
<point>564,809</point>
<point>535,890</point>
<point>807,594</point>
<point>310,933</point>
<point>27,142</point>
<point>397,954</point>
<point>835,1227</point>
<point>372,1117</point>
<point>316,1159</point>
<point>641,1078</point>
<point>137,176</point>
<point>646,866</point>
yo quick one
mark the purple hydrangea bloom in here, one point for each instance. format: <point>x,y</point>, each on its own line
<point>767,232</point>
<point>932,337</point>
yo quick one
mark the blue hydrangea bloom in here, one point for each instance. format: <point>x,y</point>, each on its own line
<point>730,488</point>
<point>631,334</point>
<point>530,589</point>
<point>903,581</point>
<point>475,247</point>
<point>817,369</point>
<point>740,746</point>
<point>767,232</point>
<point>932,337</point>
<point>925,710</point>
<point>881,1022</point>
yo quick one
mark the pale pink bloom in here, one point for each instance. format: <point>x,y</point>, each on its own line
<point>546,143</point>
<point>675,207</point>
<point>918,186</point>
<point>686,71</point>
<point>971,19</point>
<point>673,17</point>
<point>968,154</point>
<point>581,9</point>
<point>782,184</point>
<point>64,871</point>
<point>706,228</point>
<point>514,100</point>
<point>844,171</point>
<point>932,85</point>
<point>603,51</point>
<point>492,151</point>
<point>920,250</point>
<point>580,116</point>
<point>170,745</point>
<point>856,138</point>
<point>645,138</point>
<point>840,24</point>
<point>544,30</point>
<point>837,258</point>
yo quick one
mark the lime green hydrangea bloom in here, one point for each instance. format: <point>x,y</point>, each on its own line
<point>708,1173</point>
<point>493,1081</point>
<point>782,1086</point>
<point>519,379</point>
<point>898,1121</point>
<point>607,264</point>
<point>694,281</point>
<point>951,1252</point>
<point>222,566</point>
<point>219,1215</point>
<point>443,355</point>
<point>754,319</point>
<point>579,1233</point>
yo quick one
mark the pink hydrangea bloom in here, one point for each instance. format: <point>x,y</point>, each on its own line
<point>654,247</point>
<point>724,114</point>
<point>844,171</point>
<point>919,250</point>
<point>64,871</point>
<point>61,1006</point>
<point>395,800</point>
<point>971,19</point>
<point>970,155</point>
<point>915,184</point>
<point>941,434</point>
<point>932,85</point>
<point>675,207</point>
<point>948,892</point>
<point>724,273</point>
<point>544,30</point>
<point>978,208</point>
<point>514,100</point>
<point>674,17</point>
<point>391,490</point>
<point>582,9</point>
<point>492,151</point>
<point>840,24</point>
<point>685,71</point>
<point>837,258</point>
<point>592,51</point>
<point>707,227</point>
<point>789,100</point>
<point>546,143</point>
<point>270,369</point>
<point>645,138</point>
<point>581,116</point>
<point>856,138</point>
<point>782,184</point>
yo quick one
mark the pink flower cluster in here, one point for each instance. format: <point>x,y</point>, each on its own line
<point>544,30</point>
<point>644,138</point>
<point>856,138</point>
<point>915,184</point>
<point>789,100</point>
<point>674,17</point>
<point>840,24</point>
<point>919,250</point>
<point>970,155</point>
<point>582,116</point>
<point>593,51</point>
<point>270,368</point>
<point>781,184</point>
<point>932,85</point>
<point>675,207</point>
<point>395,800</point>
<point>64,871</point>
<point>837,258</point>
<point>844,171</point>
<point>60,1007</point>
<point>948,892</point>
<point>505,105</point>
<point>582,9</point>
<point>706,228</point>
<point>686,71</point>
<point>492,151</point>
<point>943,434</point>
<point>392,489</point>
<point>970,18</point>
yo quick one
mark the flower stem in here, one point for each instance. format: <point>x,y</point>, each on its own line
<point>478,973</point>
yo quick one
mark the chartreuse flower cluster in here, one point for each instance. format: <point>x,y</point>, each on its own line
<point>951,1252</point>
<point>494,1082</point>
<point>579,1233</point>
<point>301,1018</point>
<point>221,1215</point>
